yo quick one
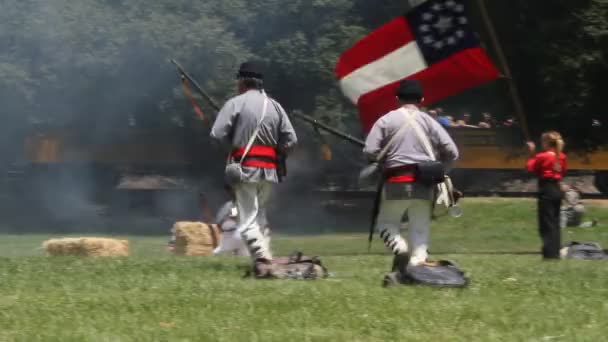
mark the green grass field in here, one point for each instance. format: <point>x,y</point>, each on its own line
<point>152,296</point>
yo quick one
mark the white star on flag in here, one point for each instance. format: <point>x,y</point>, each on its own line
<point>414,3</point>
<point>443,24</point>
<point>463,20</point>
<point>437,7</point>
<point>428,39</point>
<point>411,46</point>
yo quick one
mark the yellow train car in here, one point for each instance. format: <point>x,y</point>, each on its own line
<point>481,149</point>
<point>504,149</point>
<point>140,147</point>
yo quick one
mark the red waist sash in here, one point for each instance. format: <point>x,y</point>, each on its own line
<point>401,174</point>
<point>261,156</point>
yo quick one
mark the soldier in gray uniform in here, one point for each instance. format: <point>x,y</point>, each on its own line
<point>235,125</point>
<point>401,192</point>
<point>573,209</point>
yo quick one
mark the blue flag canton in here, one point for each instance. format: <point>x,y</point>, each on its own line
<point>441,28</point>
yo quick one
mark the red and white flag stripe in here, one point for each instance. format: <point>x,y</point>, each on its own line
<point>370,71</point>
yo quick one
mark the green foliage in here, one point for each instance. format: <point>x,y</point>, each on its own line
<point>558,51</point>
<point>108,59</point>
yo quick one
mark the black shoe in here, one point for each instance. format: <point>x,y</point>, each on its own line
<point>262,268</point>
<point>400,262</point>
<point>392,279</point>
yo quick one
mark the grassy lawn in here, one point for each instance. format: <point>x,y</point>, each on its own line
<point>152,296</point>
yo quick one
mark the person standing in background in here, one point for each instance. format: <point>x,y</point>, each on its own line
<point>465,121</point>
<point>487,121</point>
<point>550,167</point>
<point>573,209</point>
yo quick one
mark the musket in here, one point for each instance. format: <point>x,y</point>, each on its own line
<point>192,81</point>
<point>314,122</point>
<point>329,129</point>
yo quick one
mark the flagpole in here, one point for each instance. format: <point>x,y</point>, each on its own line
<point>513,91</point>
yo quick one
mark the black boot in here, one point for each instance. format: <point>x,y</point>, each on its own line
<point>262,268</point>
<point>400,262</point>
<point>392,279</point>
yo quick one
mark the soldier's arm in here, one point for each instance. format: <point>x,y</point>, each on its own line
<point>373,142</point>
<point>222,127</point>
<point>287,134</point>
<point>443,142</point>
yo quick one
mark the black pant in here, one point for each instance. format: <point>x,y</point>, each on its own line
<point>549,202</point>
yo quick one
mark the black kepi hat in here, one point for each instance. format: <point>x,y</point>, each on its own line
<point>249,70</point>
<point>410,89</point>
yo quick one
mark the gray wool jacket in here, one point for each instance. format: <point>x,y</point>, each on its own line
<point>408,149</point>
<point>237,121</point>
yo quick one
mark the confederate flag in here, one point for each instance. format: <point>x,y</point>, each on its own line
<point>433,43</point>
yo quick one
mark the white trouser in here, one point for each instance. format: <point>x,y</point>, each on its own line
<point>231,242</point>
<point>251,201</point>
<point>389,223</point>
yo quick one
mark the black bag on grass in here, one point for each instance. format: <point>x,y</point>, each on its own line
<point>296,266</point>
<point>445,274</point>
<point>584,251</point>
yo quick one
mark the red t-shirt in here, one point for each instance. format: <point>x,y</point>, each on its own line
<point>543,164</point>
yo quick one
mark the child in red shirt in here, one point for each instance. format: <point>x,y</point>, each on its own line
<point>550,167</point>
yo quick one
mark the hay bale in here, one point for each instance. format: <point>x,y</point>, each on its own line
<point>86,246</point>
<point>195,238</point>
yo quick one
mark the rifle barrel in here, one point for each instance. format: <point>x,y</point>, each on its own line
<point>196,85</point>
<point>314,122</point>
<point>329,129</point>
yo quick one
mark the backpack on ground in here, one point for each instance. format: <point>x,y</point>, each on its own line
<point>296,266</point>
<point>445,274</point>
<point>583,251</point>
